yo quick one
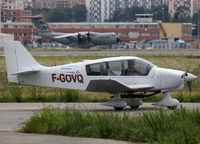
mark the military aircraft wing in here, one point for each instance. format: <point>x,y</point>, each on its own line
<point>66,35</point>
<point>114,86</point>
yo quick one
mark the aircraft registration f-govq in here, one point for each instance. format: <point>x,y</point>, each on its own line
<point>120,76</point>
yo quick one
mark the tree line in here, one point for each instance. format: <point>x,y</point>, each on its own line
<point>77,13</point>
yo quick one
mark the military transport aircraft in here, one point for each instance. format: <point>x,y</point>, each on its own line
<point>121,76</point>
<point>81,39</point>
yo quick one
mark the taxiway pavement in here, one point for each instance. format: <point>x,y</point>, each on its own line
<point>13,115</point>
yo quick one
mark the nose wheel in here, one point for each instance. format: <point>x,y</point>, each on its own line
<point>118,108</point>
<point>168,101</point>
<point>134,107</point>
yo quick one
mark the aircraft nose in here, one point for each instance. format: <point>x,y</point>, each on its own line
<point>190,77</point>
<point>118,39</point>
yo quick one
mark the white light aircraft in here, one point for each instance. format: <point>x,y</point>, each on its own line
<point>120,76</point>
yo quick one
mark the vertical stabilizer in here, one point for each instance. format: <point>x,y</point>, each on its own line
<point>18,60</point>
<point>41,24</point>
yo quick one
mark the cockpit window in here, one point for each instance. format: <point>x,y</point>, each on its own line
<point>131,67</point>
<point>137,67</point>
<point>93,69</point>
<point>114,68</point>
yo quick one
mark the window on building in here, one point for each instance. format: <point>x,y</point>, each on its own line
<point>5,26</point>
<point>145,26</point>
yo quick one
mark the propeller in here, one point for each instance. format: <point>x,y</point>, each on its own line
<point>187,77</point>
<point>89,37</point>
<point>189,84</point>
<point>79,38</point>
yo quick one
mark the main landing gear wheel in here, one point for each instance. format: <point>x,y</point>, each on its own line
<point>172,107</point>
<point>134,107</point>
<point>118,108</point>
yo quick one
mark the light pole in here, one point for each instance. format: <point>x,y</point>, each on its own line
<point>198,22</point>
<point>163,14</point>
<point>0,16</point>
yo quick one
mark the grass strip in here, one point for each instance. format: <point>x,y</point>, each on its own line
<point>10,92</point>
<point>178,126</point>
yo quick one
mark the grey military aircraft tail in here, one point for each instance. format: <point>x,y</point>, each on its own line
<point>80,39</point>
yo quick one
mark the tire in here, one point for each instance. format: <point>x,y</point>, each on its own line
<point>172,107</point>
<point>118,108</point>
<point>135,107</point>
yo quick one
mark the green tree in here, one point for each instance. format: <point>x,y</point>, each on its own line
<point>158,13</point>
<point>182,15</point>
<point>129,14</point>
<point>60,15</point>
<point>79,13</point>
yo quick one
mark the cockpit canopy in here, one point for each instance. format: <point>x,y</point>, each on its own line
<point>127,67</point>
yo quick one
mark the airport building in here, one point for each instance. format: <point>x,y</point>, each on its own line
<point>191,5</point>
<point>101,10</point>
<point>12,4</point>
<point>14,22</point>
<point>129,31</point>
<point>50,4</point>
<point>143,29</point>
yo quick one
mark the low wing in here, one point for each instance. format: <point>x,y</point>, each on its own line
<point>113,86</point>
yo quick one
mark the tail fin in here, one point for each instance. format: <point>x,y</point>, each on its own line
<point>18,60</point>
<point>41,24</point>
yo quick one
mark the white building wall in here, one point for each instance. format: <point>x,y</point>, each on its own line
<point>101,10</point>
<point>12,4</point>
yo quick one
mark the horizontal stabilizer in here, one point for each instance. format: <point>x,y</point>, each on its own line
<point>26,71</point>
<point>114,86</point>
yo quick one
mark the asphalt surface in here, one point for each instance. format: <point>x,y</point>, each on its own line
<point>115,53</point>
<point>21,138</point>
<point>13,115</point>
